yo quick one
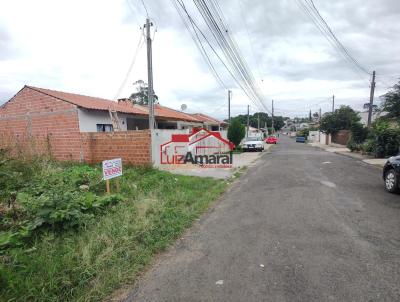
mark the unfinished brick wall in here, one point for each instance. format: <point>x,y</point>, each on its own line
<point>132,146</point>
<point>33,123</point>
<point>342,137</point>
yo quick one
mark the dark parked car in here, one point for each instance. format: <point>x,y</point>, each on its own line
<point>391,174</point>
<point>300,139</point>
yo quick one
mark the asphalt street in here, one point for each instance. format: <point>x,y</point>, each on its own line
<point>301,225</point>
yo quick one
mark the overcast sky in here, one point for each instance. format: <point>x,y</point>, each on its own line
<point>87,46</point>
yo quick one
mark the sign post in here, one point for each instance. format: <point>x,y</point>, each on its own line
<point>112,168</point>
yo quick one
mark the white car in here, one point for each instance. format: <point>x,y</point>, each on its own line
<point>253,144</point>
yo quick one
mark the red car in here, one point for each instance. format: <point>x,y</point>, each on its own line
<point>271,140</point>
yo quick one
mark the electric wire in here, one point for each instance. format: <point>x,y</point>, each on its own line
<point>213,17</point>
<point>182,5</point>
<point>121,87</point>
<point>312,13</point>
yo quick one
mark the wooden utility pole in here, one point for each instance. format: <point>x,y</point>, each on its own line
<point>371,99</point>
<point>333,103</point>
<point>248,120</point>
<point>258,120</point>
<point>229,106</point>
<point>272,126</point>
<point>150,91</point>
<point>319,132</point>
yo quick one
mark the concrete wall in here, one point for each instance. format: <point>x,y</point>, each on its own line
<point>313,136</point>
<point>88,119</point>
<point>159,137</point>
<point>325,139</point>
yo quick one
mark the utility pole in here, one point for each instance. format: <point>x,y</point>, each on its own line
<point>258,120</point>
<point>150,91</point>
<point>248,120</point>
<point>229,106</point>
<point>272,126</point>
<point>333,103</point>
<point>371,99</point>
<point>319,132</point>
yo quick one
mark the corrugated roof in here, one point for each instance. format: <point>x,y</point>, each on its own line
<point>89,102</point>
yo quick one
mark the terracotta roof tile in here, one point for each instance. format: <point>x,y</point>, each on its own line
<point>208,119</point>
<point>89,102</point>
<point>168,113</point>
<point>122,106</point>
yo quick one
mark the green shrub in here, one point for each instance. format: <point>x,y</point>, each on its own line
<point>359,133</point>
<point>41,195</point>
<point>303,133</point>
<point>383,139</point>
<point>368,146</point>
<point>236,132</point>
<point>353,146</point>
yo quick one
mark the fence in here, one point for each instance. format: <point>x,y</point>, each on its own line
<point>91,147</point>
<point>342,137</point>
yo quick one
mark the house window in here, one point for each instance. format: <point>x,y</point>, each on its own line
<point>104,128</point>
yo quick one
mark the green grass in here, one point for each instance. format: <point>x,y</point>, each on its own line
<point>90,262</point>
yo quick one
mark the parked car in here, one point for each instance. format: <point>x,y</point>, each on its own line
<point>271,140</point>
<point>391,174</point>
<point>253,144</point>
<point>300,139</point>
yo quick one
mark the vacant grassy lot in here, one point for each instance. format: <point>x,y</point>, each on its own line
<point>62,239</point>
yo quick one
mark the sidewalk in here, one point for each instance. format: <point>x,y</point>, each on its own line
<point>343,150</point>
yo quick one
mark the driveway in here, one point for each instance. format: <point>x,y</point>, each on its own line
<point>244,159</point>
<point>302,225</point>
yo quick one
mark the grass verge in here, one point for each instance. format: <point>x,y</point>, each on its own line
<point>88,263</point>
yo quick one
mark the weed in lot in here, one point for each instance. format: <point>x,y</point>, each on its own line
<point>86,256</point>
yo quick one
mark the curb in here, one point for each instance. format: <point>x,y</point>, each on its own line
<point>349,156</point>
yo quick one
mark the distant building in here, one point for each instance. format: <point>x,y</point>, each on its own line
<point>364,116</point>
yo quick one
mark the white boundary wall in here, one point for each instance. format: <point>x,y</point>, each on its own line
<point>159,137</point>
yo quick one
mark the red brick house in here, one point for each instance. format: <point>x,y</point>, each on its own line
<point>71,126</point>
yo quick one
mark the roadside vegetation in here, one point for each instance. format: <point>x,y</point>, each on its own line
<point>383,138</point>
<point>62,238</point>
<point>236,132</point>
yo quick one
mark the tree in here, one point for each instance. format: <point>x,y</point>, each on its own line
<point>342,119</point>
<point>140,97</point>
<point>265,119</point>
<point>236,131</point>
<point>391,102</point>
<point>310,117</point>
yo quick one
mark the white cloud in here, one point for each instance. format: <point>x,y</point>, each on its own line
<point>87,46</point>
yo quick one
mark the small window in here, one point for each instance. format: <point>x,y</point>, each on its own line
<point>104,128</point>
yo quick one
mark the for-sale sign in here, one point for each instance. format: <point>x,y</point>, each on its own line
<point>112,168</point>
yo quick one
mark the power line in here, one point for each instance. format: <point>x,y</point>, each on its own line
<point>145,8</point>
<point>244,88</point>
<point>312,12</point>
<point>138,47</point>
<point>213,17</point>
<point>357,64</point>
<point>246,26</point>
<point>195,37</point>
